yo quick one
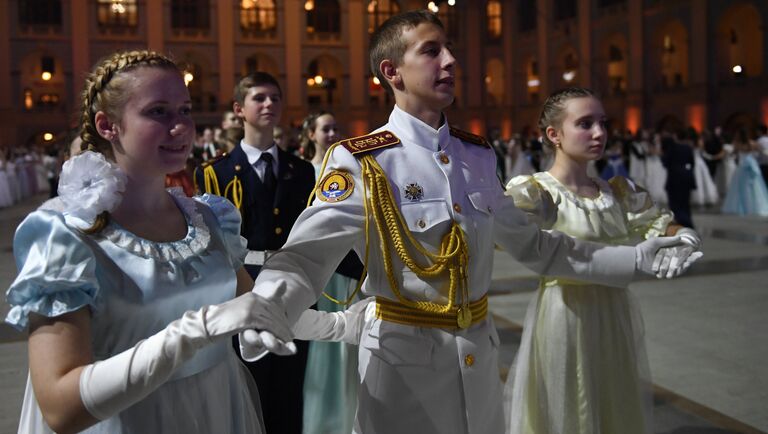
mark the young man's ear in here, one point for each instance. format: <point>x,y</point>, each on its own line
<point>391,73</point>
<point>237,109</point>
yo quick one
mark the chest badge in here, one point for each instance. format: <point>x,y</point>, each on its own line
<point>414,192</point>
<point>335,187</point>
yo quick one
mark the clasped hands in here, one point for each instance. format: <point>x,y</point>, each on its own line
<point>668,257</point>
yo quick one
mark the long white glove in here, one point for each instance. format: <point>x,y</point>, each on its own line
<point>647,251</point>
<point>312,325</point>
<point>674,261</point>
<point>112,385</point>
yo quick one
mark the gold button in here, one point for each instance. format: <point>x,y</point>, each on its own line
<point>469,360</point>
<point>278,231</point>
<point>444,158</point>
<point>237,167</point>
<point>421,223</point>
<point>457,208</point>
<point>276,211</point>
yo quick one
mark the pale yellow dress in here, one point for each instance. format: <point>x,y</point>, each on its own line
<point>582,367</point>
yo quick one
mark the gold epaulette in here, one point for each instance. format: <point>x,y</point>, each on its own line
<point>369,142</point>
<point>469,137</point>
<point>213,160</point>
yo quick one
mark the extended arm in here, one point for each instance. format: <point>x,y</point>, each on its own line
<point>74,391</point>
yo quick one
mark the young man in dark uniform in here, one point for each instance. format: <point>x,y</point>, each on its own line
<point>270,187</point>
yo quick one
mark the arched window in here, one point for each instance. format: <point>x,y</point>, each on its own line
<point>617,70</point>
<point>740,42</point>
<point>494,82</point>
<point>258,17</point>
<point>533,82</point>
<point>570,68</point>
<point>379,11</point>
<point>674,54</point>
<point>323,16</point>
<point>324,82</point>
<point>117,13</point>
<point>493,15</point>
<point>190,14</point>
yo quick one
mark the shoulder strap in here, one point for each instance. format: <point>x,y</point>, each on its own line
<point>469,137</point>
<point>358,146</point>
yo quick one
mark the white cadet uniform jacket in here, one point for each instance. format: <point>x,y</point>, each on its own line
<point>414,379</point>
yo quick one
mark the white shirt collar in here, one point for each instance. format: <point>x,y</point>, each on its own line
<point>253,153</point>
<point>416,131</point>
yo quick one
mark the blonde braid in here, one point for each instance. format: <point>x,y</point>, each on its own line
<point>104,93</point>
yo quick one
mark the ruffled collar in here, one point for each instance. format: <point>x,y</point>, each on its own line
<point>193,244</point>
<point>604,200</point>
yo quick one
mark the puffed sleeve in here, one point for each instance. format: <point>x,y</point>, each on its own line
<point>646,219</point>
<point>533,199</point>
<point>56,267</point>
<point>229,220</point>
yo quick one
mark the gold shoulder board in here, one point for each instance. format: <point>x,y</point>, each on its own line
<point>369,142</point>
<point>213,160</point>
<point>469,137</point>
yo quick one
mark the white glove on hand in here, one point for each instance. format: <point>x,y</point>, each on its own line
<point>345,326</point>
<point>674,261</point>
<point>645,252</point>
<point>109,386</point>
<point>312,325</point>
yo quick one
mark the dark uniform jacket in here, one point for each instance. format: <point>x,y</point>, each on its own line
<point>265,225</point>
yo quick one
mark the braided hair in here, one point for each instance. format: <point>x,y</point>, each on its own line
<point>553,112</point>
<point>105,91</point>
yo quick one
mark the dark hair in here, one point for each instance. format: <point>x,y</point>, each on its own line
<point>552,111</point>
<point>387,41</point>
<point>306,145</point>
<point>252,80</point>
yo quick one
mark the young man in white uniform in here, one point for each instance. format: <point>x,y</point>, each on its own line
<point>426,364</point>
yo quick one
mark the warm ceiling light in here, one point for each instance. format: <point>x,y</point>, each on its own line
<point>451,2</point>
<point>319,79</point>
<point>46,75</point>
<point>310,81</point>
<point>737,69</point>
<point>533,82</point>
<point>47,137</point>
<point>569,76</point>
<point>309,5</point>
<point>188,77</point>
<point>432,7</point>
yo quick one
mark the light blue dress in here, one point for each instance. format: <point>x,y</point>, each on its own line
<point>134,288</point>
<point>747,193</point>
<point>331,380</point>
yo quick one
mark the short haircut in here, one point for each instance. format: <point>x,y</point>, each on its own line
<point>252,80</point>
<point>387,41</point>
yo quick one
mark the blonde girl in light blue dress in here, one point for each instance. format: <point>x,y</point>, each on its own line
<point>128,290</point>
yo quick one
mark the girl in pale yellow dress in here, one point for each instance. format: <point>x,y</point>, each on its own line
<point>582,366</point>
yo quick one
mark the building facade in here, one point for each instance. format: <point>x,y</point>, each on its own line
<point>656,63</point>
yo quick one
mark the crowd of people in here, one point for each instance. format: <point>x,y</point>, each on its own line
<point>723,171</point>
<point>139,299</point>
<point>25,173</point>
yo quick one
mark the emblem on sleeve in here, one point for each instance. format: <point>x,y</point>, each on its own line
<point>335,187</point>
<point>414,192</point>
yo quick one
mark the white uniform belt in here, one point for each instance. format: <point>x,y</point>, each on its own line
<point>257,257</point>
